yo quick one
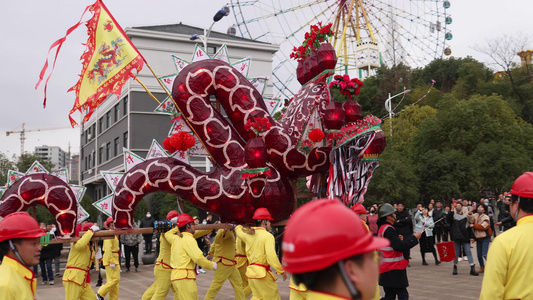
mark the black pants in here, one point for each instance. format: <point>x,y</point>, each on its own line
<point>128,250</point>
<point>391,293</point>
<point>147,244</point>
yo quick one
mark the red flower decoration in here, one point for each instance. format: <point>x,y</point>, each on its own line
<point>313,39</point>
<point>182,141</point>
<point>259,125</point>
<point>316,135</point>
<point>168,145</point>
<point>346,86</point>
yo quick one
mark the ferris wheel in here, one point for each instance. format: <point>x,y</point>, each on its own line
<point>367,33</point>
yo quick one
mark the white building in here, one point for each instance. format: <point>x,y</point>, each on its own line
<point>53,154</point>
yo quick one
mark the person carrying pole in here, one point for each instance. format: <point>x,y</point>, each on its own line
<point>112,266</point>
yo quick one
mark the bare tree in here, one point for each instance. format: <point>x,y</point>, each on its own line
<point>503,54</point>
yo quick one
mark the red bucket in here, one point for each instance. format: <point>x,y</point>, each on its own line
<point>446,251</point>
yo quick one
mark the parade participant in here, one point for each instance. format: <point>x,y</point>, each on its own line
<point>508,270</point>
<point>393,276</point>
<point>21,249</point>
<point>184,254</point>
<point>260,250</point>
<point>361,211</point>
<point>77,277</point>
<point>337,263</point>
<point>112,267</point>
<point>147,222</point>
<point>131,247</point>
<point>242,264</point>
<point>461,235</point>
<point>223,253</point>
<point>162,270</point>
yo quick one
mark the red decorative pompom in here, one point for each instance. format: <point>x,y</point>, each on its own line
<point>168,145</point>
<point>316,135</point>
<point>182,141</point>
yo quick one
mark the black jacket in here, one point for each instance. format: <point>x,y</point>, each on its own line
<point>404,223</point>
<point>437,215</point>
<point>459,232</point>
<point>147,223</point>
<point>396,278</point>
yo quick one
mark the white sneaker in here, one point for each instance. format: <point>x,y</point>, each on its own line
<point>465,258</point>
<point>51,283</point>
<point>45,282</point>
<point>460,259</point>
<point>201,271</point>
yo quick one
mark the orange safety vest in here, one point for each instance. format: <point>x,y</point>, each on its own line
<point>392,260</point>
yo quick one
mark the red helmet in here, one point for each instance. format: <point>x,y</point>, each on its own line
<point>86,226</point>
<point>359,209</point>
<point>109,220</point>
<point>308,247</point>
<point>184,219</point>
<point>20,225</point>
<point>262,214</point>
<point>172,214</point>
<point>523,185</point>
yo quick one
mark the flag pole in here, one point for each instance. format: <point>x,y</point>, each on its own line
<point>178,109</point>
<point>149,93</point>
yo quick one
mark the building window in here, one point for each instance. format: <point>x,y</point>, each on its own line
<point>100,154</point>
<point>116,146</point>
<point>125,140</point>
<point>116,111</point>
<point>100,124</point>
<point>94,158</point>
<point>107,119</point>
<point>86,165</point>
<point>125,105</point>
<point>107,150</point>
<point>211,50</point>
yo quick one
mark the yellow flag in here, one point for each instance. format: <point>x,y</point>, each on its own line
<point>108,62</point>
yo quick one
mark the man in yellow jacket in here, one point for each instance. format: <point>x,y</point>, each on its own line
<point>162,270</point>
<point>335,263</point>
<point>184,254</point>
<point>80,257</point>
<point>260,250</point>
<point>508,270</point>
<point>21,249</point>
<point>112,266</point>
<point>223,253</point>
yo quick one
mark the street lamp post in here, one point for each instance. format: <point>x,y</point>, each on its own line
<point>388,107</point>
<point>218,16</point>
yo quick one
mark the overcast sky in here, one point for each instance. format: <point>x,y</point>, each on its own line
<point>29,27</point>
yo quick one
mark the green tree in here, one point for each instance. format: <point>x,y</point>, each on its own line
<point>6,164</point>
<point>140,210</point>
<point>87,204</point>
<point>405,126</point>
<point>27,159</point>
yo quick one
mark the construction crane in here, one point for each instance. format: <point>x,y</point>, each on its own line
<point>23,134</point>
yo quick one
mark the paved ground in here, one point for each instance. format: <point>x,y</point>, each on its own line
<point>426,282</point>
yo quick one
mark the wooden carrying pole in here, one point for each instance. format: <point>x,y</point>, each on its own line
<point>109,234</point>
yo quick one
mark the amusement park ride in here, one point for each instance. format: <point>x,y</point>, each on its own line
<point>367,33</point>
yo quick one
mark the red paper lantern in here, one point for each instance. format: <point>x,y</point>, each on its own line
<point>378,144</point>
<point>327,59</point>
<point>182,141</point>
<point>300,72</point>
<point>316,135</point>
<point>334,116</point>
<point>352,111</point>
<point>255,153</point>
<point>167,144</point>
<point>313,64</point>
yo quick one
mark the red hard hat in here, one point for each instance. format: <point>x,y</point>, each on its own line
<point>323,232</point>
<point>184,219</point>
<point>523,185</point>
<point>86,226</point>
<point>262,214</point>
<point>109,220</point>
<point>20,225</point>
<point>172,214</point>
<point>359,209</point>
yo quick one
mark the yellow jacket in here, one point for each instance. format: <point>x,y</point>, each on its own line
<point>240,253</point>
<point>164,249</point>
<point>79,260</point>
<point>223,249</point>
<point>508,270</point>
<point>111,249</point>
<point>184,255</point>
<point>261,253</point>
<point>17,282</point>
<point>297,287</point>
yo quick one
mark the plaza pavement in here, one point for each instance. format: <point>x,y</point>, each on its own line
<point>426,282</point>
